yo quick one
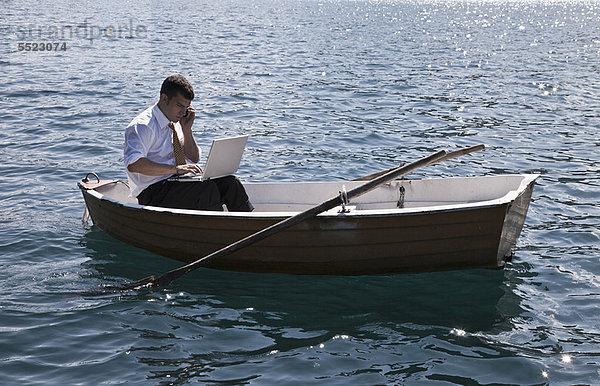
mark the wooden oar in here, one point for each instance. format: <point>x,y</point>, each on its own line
<point>168,277</point>
<point>450,155</point>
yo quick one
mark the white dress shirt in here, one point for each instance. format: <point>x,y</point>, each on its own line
<point>149,136</point>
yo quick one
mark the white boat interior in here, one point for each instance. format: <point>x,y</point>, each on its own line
<point>280,197</point>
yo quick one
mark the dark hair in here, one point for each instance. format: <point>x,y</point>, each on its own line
<point>177,84</point>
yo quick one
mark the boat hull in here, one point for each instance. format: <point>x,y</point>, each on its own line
<point>344,244</point>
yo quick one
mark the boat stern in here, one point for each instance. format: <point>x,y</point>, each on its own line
<point>514,220</point>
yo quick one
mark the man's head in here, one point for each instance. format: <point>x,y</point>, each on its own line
<point>176,95</point>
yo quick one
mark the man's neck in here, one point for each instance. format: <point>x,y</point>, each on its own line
<point>161,108</point>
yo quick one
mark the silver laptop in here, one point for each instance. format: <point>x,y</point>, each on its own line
<point>223,159</point>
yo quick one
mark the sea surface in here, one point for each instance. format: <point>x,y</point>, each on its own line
<point>328,90</point>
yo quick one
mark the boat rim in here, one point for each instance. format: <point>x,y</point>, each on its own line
<point>335,213</point>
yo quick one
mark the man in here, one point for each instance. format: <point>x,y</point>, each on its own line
<point>159,144</point>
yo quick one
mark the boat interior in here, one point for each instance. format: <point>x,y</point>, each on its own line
<point>299,196</point>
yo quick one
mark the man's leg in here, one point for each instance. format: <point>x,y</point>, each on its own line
<point>182,195</point>
<point>233,194</point>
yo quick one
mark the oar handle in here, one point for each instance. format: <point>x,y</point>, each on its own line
<point>461,152</point>
<point>450,155</point>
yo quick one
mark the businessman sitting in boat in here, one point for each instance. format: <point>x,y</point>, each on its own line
<point>159,144</point>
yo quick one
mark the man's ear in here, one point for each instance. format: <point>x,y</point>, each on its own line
<point>164,98</point>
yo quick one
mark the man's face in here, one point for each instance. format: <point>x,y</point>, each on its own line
<point>175,107</point>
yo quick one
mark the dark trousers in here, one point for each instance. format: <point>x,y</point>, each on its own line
<point>204,195</point>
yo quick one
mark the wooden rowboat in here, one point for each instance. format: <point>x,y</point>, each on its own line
<point>403,226</point>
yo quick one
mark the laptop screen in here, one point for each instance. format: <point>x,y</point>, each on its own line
<point>224,157</point>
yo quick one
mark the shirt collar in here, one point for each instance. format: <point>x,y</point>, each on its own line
<point>161,118</point>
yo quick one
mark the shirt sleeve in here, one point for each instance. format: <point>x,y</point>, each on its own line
<point>137,138</point>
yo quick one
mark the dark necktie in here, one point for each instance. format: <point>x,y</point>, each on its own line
<point>177,150</point>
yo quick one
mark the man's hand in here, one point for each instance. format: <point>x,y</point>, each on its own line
<point>190,146</point>
<point>187,120</point>
<point>188,168</point>
<point>150,168</point>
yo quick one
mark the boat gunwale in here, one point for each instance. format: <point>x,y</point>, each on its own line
<point>510,196</point>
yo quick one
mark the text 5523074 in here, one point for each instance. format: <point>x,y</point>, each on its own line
<point>42,46</point>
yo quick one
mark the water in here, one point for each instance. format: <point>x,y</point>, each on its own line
<point>327,90</point>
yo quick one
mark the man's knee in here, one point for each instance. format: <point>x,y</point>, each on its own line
<point>233,194</point>
<point>209,197</point>
<point>228,181</point>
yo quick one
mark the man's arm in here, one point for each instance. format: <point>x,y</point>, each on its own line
<point>190,147</point>
<point>151,168</point>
